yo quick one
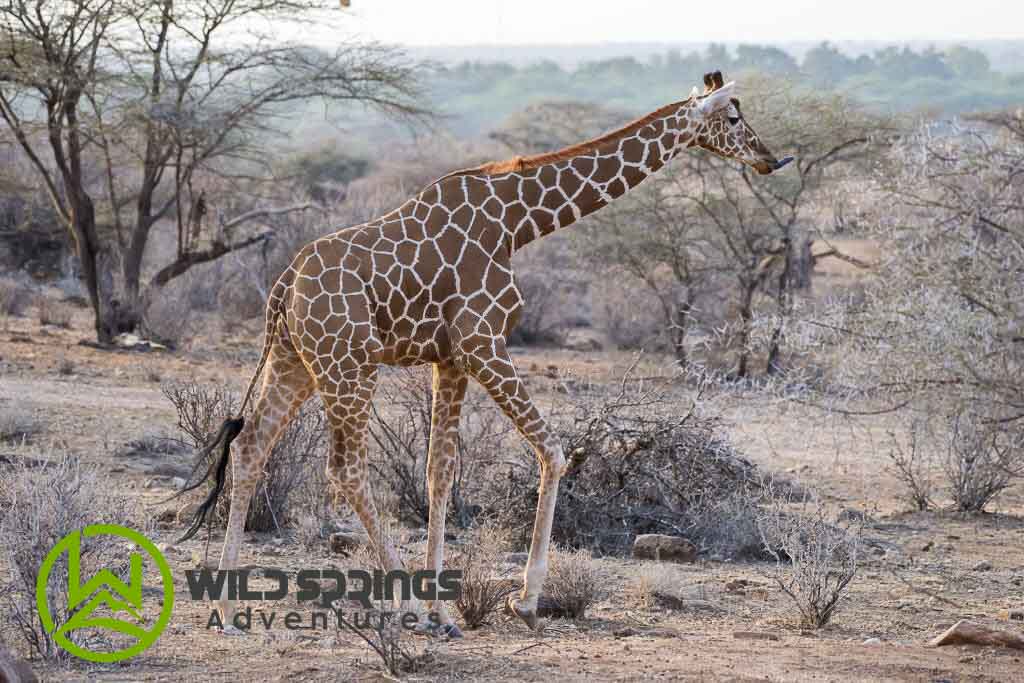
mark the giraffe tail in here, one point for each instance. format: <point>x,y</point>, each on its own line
<point>229,430</point>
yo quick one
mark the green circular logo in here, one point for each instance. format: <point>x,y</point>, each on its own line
<point>105,589</point>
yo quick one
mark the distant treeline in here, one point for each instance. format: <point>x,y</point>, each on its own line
<point>477,95</point>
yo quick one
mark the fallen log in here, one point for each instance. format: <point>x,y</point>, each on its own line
<point>964,632</point>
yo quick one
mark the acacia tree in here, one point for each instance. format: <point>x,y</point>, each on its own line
<point>705,225</point>
<point>655,238</point>
<point>760,227</point>
<point>124,106</point>
<point>942,326</point>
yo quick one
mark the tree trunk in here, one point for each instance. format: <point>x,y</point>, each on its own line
<point>746,317</point>
<point>62,124</point>
<point>134,305</point>
<point>783,298</point>
<point>83,227</point>
<point>132,270</point>
<point>680,326</point>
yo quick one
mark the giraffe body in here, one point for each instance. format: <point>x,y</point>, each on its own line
<point>432,283</point>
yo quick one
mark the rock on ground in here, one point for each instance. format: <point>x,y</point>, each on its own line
<point>344,542</point>
<point>664,548</point>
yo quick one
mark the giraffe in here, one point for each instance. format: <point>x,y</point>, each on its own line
<point>432,283</point>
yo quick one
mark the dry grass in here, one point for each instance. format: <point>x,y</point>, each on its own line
<point>575,581</point>
<point>39,506</point>
<point>659,585</point>
<point>54,313</point>
<point>18,425</point>
<point>485,582</point>
<point>15,295</point>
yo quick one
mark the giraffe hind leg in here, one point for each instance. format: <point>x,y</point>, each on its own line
<point>449,389</point>
<point>286,385</point>
<point>347,404</point>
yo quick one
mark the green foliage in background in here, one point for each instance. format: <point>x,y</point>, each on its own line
<point>475,95</point>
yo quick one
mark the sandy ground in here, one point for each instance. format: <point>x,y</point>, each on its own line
<point>918,577</point>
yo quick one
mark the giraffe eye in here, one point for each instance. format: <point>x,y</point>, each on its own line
<point>733,120</point>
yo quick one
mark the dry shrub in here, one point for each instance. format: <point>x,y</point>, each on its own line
<point>639,464</point>
<point>39,506</point>
<point>293,483</point>
<point>655,581</point>
<point>53,313</point>
<point>15,295</point>
<point>69,283</point>
<point>553,305</point>
<point>912,464</point>
<point>815,557</point>
<point>976,454</point>
<point>390,641</point>
<point>485,580</point>
<point>939,321</point>
<point>18,425</point>
<point>201,408</point>
<point>65,366</point>
<point>724,523</point>
<point>399,429</point>
<point>311,527</point>
<point>538,324</point>
<point>386,637</point>
<point>294,477</point>
<point>983,457</point>
<point>574,581</point>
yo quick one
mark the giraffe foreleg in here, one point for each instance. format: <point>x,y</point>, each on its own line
<point>489,363</point>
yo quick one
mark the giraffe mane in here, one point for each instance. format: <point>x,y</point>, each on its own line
<point>519,163</point>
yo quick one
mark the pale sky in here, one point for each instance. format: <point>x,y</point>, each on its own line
<point>476,22</point>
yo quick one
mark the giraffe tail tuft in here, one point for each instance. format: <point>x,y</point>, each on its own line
<point>228,431</point>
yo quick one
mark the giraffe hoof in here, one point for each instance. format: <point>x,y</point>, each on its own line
<point>529,616</point>
<point>452,631</point>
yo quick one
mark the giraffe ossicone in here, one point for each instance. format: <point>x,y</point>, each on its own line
<point>431,282</point>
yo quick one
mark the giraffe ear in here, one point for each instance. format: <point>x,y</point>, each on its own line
<point>712,81</point>
<point>718,99</point>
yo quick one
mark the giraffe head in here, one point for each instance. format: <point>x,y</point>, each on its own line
<point>721,128</point>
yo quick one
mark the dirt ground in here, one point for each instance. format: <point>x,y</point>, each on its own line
<point>919,576</point>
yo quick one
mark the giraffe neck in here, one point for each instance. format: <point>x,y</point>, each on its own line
<point>548,192</point>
